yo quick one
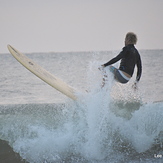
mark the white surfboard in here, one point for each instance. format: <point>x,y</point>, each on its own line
<point>43,74</point>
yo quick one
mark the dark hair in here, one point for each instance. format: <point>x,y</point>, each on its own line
<point>131,38</point>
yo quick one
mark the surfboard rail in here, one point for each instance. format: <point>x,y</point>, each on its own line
<point>43,74</point>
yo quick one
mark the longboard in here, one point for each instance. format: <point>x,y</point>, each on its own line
<point>40,72</point>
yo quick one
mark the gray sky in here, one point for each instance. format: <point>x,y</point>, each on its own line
<point>79,25</point>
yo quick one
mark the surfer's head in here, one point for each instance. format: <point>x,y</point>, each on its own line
<point>131,38</point>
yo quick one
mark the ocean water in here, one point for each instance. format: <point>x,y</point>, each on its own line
<point>112,124</point>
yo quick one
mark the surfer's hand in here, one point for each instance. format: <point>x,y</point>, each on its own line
<point>101,67</point>
<point>135,85</point>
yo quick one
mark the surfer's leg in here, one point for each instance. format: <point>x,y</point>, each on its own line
<point>104,80</point>
<point>118,75</point>
<point>113,69</point>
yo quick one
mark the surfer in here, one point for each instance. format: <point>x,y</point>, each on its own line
<point>129,57</point>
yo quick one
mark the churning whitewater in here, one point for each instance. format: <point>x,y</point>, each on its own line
<point>108,123</point>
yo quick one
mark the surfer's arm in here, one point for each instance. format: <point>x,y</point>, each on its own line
<point>114,60</point>
<point>139,70</point>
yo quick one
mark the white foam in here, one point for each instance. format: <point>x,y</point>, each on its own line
<point>101,126</point>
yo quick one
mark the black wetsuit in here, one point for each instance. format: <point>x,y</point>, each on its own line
<point>129,58</point>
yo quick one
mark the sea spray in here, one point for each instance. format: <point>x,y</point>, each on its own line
<point>96,103</point>
<point>99,127</point>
